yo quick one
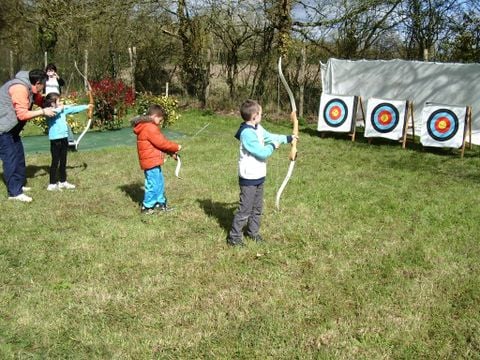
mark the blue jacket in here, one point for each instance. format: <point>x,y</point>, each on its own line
<point>57,125</point>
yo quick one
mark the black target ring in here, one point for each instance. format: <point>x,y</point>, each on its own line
<point>384,118</point>
<point>442,125</point>
<point>335,112</point>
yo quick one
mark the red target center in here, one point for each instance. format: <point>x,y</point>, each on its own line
<point>335,112</point>
<point>443,124</point>
<point>385,117</point>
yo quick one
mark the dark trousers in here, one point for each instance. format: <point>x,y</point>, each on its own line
<point>13,158</point>
<point>249,212</point>
<point>58,149</point>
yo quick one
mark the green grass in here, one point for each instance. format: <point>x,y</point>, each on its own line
<point>374,255</point>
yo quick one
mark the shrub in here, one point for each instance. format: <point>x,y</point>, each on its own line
<point>169,104</point>
<point>112,99</point>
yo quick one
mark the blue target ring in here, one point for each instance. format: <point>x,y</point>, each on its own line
<point>384,118</point>
<point>335,112</point>
<point>442,125</point>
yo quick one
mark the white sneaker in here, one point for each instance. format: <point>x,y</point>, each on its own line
<point>26,188</point>
<point>66,185</point>
<point>22,197</point>
<point>53,187</point>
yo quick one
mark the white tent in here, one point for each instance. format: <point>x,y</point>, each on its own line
<point>420,82</point>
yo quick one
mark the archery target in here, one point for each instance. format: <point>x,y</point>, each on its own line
<point>385,118</point>
<point>443,125</point>
<point>337,113</point>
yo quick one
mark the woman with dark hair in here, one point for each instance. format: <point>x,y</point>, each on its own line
<point>54,82</point>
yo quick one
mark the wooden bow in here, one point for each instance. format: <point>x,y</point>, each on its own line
<point>89,92</point>
<point>90,109</point>
<point>179,165</point>
<point>293,151</point>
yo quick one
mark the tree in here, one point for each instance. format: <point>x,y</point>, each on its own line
<point>192,31</point>
<point>233,23</point>
<point>427,23</point>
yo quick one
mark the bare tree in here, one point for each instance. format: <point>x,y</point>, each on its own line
<point>234,23</point>
<point>427,22</point>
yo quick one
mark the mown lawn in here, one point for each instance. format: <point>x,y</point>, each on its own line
<point>375,254</point>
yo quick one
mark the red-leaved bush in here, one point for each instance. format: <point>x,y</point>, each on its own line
<point>112,99</point>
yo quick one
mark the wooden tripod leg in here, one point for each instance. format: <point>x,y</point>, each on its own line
<point>467,129</point>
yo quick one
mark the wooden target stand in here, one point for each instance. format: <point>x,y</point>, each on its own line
<point>362,112</point>
<point>408,130</point>
<point>468,129</point>
<point>408,126</point>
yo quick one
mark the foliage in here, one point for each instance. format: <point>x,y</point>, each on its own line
<point>374,255</point>
<point>72,119</point>
<point>169,104</point>
<point>112,99</point>
<point>207,47</point>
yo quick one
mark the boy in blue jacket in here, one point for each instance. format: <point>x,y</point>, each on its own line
<point>58,135</point>
<point>256,145</point>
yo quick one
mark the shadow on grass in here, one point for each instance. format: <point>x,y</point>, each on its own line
<point>134,191</point>
<point>379,141</point>
<point>32,171</point>
<point>223,212</point>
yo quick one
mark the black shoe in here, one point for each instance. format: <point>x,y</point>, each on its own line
<point>147,211</point>
<point>163,207</point>
<point>233,242</point>
<point>257,238</point>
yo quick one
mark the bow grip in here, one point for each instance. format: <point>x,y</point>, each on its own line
<point>293,150</point>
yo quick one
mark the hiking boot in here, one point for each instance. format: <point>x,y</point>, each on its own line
<point>21,197</point>
<point>66,185</point>
<point>235,242</point>
<point>257,238</point>
<point>53,187</point>
<point>147,211</point>
<point>163,207</point>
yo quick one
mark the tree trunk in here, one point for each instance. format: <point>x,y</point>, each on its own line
<point>302,81</point>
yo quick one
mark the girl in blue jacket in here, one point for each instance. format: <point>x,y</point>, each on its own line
<point>58,135</point>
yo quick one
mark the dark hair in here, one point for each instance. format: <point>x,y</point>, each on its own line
<point>51,66</point>
<point>156,110</point>
<point>51,99</point>
<point>37,76</point>
<point>248,109</point>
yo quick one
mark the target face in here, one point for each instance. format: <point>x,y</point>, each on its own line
<point>442,125</point>
<point>335,113</point>
<point>384,118</point>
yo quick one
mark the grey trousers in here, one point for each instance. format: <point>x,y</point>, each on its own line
<point>249,212</point>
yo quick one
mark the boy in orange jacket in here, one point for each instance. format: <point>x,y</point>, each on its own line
<point>152,146</point>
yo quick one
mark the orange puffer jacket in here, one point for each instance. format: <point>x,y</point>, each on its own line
<point>152,144</point>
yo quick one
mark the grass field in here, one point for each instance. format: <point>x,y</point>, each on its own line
<point>374,255</point>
